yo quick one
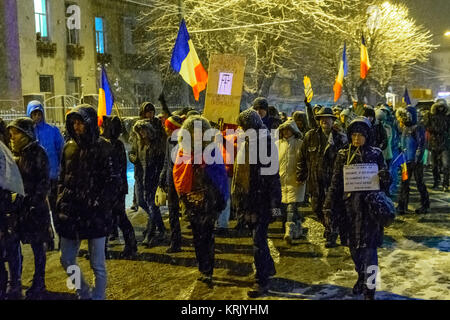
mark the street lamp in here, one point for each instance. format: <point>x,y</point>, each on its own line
<point>447,34</point>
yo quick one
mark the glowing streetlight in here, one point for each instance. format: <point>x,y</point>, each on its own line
<point>447,34</point>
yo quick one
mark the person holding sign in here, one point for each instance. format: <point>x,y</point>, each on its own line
<point>360,228</point>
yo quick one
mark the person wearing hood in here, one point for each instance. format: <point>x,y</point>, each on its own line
<point>151,160</point>
<point>292,192</point>
<point>112,129</point>
<point>172,124</point>
<point>315,166</point>
<point>359,227</point>
<point>301,121</point>
<point>413,148</point>
<point>381,115</point>
<point>380,139</point>
<point>87,191</point>
<point>147,112</point>
<point>11,197</point>
<point>437,123</point>
<point>202,189</point>
<point>34,219</point>
<point>51,139</point>
<point>257,193</point>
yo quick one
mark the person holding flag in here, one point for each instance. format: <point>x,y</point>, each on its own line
<point>413,147</point>
<point>185,61</point>
<point>343,69</point>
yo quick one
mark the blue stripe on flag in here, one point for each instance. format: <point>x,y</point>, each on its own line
<point>109,98</point>
<point>181,48</point>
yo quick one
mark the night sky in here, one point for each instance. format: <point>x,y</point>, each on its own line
<point>433,14</point>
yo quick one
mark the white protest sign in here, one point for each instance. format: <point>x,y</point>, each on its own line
<point>361,177</point>
<point>225,83</point>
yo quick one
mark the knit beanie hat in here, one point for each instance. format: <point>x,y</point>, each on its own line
<point>173,123</point>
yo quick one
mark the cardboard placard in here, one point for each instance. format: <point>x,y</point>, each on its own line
<point>361,177</point>
<point>224,91</point>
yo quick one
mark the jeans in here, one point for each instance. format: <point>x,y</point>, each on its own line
<point>224,216</point>
<point>147,202</point>
<point>69,253</point>
<point>265,267</point>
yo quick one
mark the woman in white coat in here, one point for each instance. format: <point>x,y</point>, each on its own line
<point>293,193</point>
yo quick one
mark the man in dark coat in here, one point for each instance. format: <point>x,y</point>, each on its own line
<point>172,124</point>
<point>358,226</point>
<point>34,220</point>
<point>112,129</point>
<point>437,123</point>
<point>315,166</point>
<point>261,106</point>
<point>380,139</point>
<point>413,147</point>
<point>256,191</point>
<point>86,195</point>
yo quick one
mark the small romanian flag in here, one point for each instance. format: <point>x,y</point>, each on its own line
<point>401,161</point>
<point>185,61</point>
<point>340,78</point>
<point>365,63</point>
<point>406,98</point>
<point>105,98</point>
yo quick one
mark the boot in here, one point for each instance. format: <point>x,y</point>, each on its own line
<point>359,285</point>
<point>435,185</point>
<point>422,210</point>
<point>298,232</point>
<point>331,241</point>
<point>289,233</point>
<point>14,293</point>
<point>129,252</point>
<point>258,291</point>
<point>156,240</point>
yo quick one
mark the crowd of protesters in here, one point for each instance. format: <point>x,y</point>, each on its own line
<point>75,187</point>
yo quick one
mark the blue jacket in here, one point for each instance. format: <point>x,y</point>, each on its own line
<point>50,138</point>
<point>413,138</point>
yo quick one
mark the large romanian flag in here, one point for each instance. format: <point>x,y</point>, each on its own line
<point>185,61</point>
<point>340,78</point>
<point>105,98</point>
<point>365,63</point>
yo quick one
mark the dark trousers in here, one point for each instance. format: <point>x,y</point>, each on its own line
<point>147,202</point>
<point>124,224</point>
<point>363,259</point>
<point>40,259</point>
<point>203,232</point>
<point>174,218</point>
<point>12,256</point>
<point>440,160</point>
<point>328,221</point>
<point>415,170</point>
<point>265,267</point>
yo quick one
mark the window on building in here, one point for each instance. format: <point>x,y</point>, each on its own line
<point>100,34</point>
<point>74,87</point>
<point>40,16</point>
<point>142,93</point>
<point>46,83</point>
<point>73,34</point>
<point>129,25</point>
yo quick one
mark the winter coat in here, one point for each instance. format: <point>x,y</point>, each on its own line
<point>112,129</point>
<point>317,155</point>
<point>149,157</point>
<point>289,154</point>
<point>166,176</point>
<point>379,136</point>
<point>50,138</point>
<point>87,184</point>
<point>437,123</point>
<point>254,191</point>
<point>412,141</point>
<point>358,227</point>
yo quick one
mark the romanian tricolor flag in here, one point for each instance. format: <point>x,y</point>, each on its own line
<point>105,98</point>
<point>185,61</point>
<point>401,161</point>
<point>406,98</point>
<point>365,63</point>
<point>340,78</point>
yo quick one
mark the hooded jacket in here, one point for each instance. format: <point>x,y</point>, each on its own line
<point>49,137</point>
<point>87,183</point>
<point>255,193</point>
<point>33,164</point>
<point>289,154</point>
<point>437,123</point>
<point>358,226</point>
<point>413,135</point>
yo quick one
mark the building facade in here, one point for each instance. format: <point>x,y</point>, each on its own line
<point>53,50</point>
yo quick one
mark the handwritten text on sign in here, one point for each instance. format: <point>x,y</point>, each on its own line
<point>361,177</point>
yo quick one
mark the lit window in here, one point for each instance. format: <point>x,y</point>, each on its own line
<point>40,16</point>
<point>100,35</point>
